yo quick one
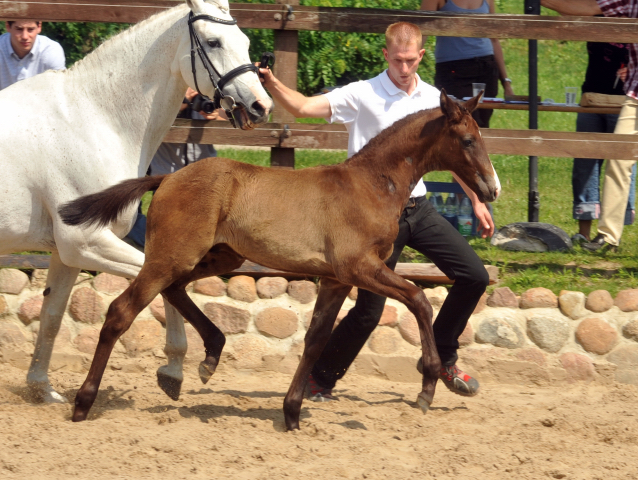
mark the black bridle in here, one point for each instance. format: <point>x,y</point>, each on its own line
<point>219,99</point>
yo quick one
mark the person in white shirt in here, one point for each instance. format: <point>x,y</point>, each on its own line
<point>366,108</point>
<point>25,53</point>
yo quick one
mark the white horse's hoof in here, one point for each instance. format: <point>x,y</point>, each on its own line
<point>169,383</point>
<point>424,401</point>
<point>44,393</point>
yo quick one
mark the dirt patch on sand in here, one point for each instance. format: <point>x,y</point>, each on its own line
<point>233,429</point>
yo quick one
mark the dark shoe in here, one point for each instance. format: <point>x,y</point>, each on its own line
<point>316,393</point>
<point>579,239</point>
<point>599,244</point>
<point>458,381</point>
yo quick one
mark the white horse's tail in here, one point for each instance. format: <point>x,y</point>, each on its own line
<point>103,208</point>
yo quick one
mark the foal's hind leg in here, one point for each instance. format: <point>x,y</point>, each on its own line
<point>60,281</point>
<point>171,376</point>
<point>329,300</point>
<point>220,259</point>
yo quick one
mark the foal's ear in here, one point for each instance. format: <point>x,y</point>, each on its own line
<point>472,103</point>
<point>450,108</point>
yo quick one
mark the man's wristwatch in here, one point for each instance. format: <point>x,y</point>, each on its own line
<point>506,80</point>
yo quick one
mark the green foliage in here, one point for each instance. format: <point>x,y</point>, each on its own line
<point>337,58</point>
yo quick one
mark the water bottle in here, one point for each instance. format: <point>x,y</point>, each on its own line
<point>465,217</point>
<point>439,203</point>
<point>434,202</point>
<point>451,210</point>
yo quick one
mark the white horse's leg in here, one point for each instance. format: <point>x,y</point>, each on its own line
<point>60,281</point>
<point>170,377</point>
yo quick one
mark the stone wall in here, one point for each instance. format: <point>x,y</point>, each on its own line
<point>536,338</point>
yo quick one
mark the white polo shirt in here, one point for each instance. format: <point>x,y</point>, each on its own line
<point>46,54</point>
<point>369,106</point>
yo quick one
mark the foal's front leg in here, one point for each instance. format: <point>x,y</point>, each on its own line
<point>373,275</point>
<point>329,300</point>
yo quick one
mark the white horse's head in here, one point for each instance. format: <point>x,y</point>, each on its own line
<point>224,48</point>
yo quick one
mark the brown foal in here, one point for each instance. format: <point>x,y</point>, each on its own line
<point>335,222</point>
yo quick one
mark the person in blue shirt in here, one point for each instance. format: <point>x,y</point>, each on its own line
<point>25,53</point>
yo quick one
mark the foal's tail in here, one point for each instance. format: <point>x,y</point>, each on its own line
<point>104,207</point>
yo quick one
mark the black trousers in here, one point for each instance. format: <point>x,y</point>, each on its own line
<point>421,228</point>
<point>458,76</point>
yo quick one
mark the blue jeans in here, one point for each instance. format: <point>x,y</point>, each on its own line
<point>586,171</point>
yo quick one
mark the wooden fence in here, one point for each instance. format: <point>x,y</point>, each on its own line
<point>288,19</point>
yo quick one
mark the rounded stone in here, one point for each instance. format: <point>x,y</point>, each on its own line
<point>143,336</point>
<point>110,284</point>
<point>625,356</point>
<point>230,320</point>
<point>630,330</point>
<point>30,309</point>
<point>480,306</point>
<point>599,301</point>
<point>86,306</point>
<point>211,286</point>
<point>436,296</point>
<point>596,335</point>
<point>384,341</point>
<point>572,304</point>
<point>11,335</point>
<point>271,287</point>
<point>409,329</point>
<point>533,355</point>
<point>4,308</point>
<point>242,288</point>
<point>39,278</point>
<point>277,322</point>
<point>303,291</point>
<point>539,297</point>
<point>467,336</point>
<point>249,351</point>
<point>389,317</point>
<point>87,340</point>
<point>578,367</point>
<point>502,331</point>
<point>627,300</point>
<point>12,280</point>
<point>548,333</point>
<point>502,297</point>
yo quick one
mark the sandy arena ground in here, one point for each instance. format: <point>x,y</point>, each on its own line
<point>233,429</point>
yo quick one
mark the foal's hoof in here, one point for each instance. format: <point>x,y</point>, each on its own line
<point>424,401</point>
<point>170,385</point>
<point>206,370</point>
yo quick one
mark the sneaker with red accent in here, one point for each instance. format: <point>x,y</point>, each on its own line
<point>316,393</point>
<point>458,381</point>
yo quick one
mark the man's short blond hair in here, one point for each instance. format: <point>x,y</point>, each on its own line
<point>403,33</point>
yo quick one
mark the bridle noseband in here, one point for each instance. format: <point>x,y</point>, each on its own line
<point>219,99</point>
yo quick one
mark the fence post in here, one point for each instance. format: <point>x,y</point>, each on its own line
<point>285,69</point>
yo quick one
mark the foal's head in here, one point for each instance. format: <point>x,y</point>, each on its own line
<point>463,150</point>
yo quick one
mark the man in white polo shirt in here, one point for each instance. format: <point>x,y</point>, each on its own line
<point>25,53</point>
<point>366,108</point>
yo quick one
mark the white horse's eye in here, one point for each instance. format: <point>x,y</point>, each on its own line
<point>214,43</point>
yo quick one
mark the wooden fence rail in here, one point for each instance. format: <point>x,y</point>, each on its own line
<point>274,16</point>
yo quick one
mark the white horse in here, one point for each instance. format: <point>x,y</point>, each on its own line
<point>71,133</point>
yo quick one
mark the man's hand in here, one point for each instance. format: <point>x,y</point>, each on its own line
<point>486,224</point>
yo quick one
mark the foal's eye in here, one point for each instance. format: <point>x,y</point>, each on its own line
<point>467,143</point>
<point>214,44</point>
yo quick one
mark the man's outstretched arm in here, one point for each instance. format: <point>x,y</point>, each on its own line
<point>296,103</point>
